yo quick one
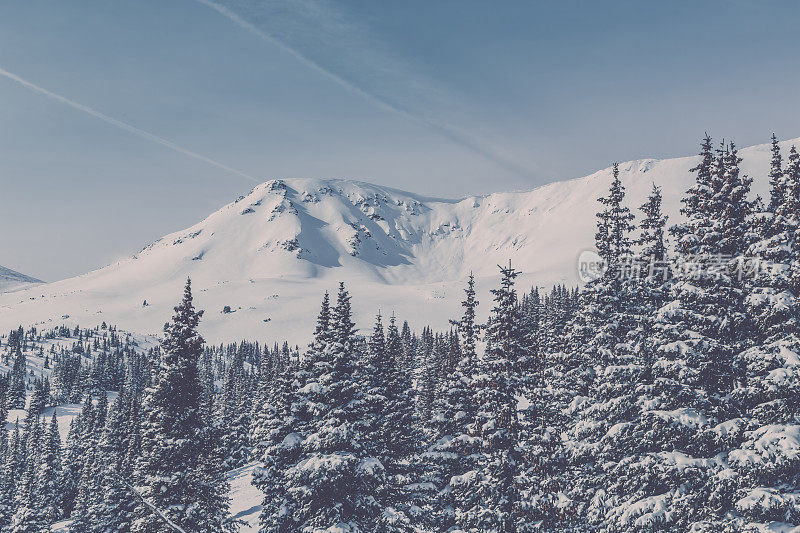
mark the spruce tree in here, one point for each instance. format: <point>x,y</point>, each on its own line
<point>47,486</point>
<point>175,470</point>
<point>389,435</point>
<point>29,515</point>
<point>323,329</point>
<point>467,327</point>
<point>114,508</point>
<point>235,417</point>
<point>776,180</point>
<point>652,238</point>
<point>454,450</point>
<point>605,372</point>
<point>603,319</point>
<point>80,440</point>
<point>11,473</point>
<point>489,495</point>
<point>766,464</point>
<point>685,421</point>
<point>319,473</point>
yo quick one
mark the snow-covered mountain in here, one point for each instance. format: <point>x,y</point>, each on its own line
<point>270,254</point>
<point>11,280</point>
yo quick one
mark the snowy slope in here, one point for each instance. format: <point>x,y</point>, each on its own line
<point>270,254</point>
<point>35,368</point>
<point>245,498</point>
<point>11,280</point>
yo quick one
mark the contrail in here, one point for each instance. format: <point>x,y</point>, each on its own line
<point>123,125</point>
<point>450,132</point>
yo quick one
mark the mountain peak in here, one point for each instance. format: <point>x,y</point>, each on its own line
<point>271,253</point>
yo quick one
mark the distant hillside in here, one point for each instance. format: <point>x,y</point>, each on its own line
<point>11,280</point>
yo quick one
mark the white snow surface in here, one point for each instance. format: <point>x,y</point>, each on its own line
<point>245,498</point>
<point>272,253</point>
<point>11,280</point>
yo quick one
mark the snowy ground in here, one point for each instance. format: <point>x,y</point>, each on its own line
<point>245,498</point>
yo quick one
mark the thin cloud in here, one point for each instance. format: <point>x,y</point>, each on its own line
<point>327,41</point>
<point>123,125</point>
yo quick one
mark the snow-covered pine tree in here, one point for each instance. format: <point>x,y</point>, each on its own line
<point>467,326</point>
<point>389,434</point>
<point>47,477</point>
<point>489,496</point>
<point>591,378</point>
<point>530,311</point>
<point>131,415</point>
<point>426,374</point>
<point>602,319</point>
<point>403,440</point>
<point>29,516</point>
<point>607,431</point>
<point>676,476</point>
<point>175,470</point>
<point>559,386</point>
<point>768,460</point>
<point>9,481</point>
<point>322,477</point>
<point>652,239</point>
<point>279,426</point>
<point>649,287</point>
<point>323,329</point>
<point>394,343</point>
<point>15,394</point>
<point>235,416</point>
<point>603,300</point>
<point>89,489</point>
<point>113,509</point>
<point>453,451</point>
<point>776,178</point>
<point>79,441</point>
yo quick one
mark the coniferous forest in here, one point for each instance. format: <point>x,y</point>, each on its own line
<point>662,395</point>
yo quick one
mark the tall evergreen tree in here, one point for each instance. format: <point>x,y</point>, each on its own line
<point>652,238</point>
<point>114,508</point>
<point>76,471</point>
<point>175,470</point>
<point>10,479</point>
<point>602,363</point>
<point>47,486</point>
<point>490,494</point>
<point>235,417</point>
<point>323,329</point>
<point>467,326</point>
<point>322,475</point>
<point>454,449</point>
<point>30,516</point>
<point>389,435</point>
<point>673,477</point>
<point>769,399</point>
<point>603,318</point>
<point>776,181</point>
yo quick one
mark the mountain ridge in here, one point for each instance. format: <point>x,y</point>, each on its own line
<point>271,253</point>
<point>11,280</point>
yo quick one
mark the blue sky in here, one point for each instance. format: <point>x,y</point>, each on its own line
<point>444,98</point>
